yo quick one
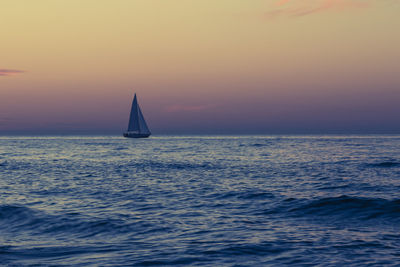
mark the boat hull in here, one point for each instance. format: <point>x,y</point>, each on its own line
<point>136,135</point>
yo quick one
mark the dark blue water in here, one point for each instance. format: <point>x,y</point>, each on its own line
<point>200,201</point>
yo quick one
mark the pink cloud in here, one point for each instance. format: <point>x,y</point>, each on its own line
<point>177,108</point>
<point>8,72</point>
<point>295,8</point>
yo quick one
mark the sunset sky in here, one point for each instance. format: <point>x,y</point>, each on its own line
<point>200,66</point>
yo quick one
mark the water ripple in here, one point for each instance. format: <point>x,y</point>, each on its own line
<point>200,201</point>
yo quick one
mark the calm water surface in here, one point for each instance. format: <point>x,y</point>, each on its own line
<point>200,201</point>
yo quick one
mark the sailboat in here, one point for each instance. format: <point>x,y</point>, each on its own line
<point>137,127</point>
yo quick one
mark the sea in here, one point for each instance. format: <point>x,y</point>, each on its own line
<point>317,200</point>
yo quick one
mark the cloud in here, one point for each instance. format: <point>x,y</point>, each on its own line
<point>8,72</point>
<point>296,8</point>
<point>177,108</point>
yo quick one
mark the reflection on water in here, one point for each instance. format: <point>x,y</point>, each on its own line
<point>191,200</point>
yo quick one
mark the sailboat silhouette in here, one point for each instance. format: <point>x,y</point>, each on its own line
<point>137,127</point>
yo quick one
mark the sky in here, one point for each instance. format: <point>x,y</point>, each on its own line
<point>200,66</point>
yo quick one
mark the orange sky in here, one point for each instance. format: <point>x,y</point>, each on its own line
<point>226,66</point>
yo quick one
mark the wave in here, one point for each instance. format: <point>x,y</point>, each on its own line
<point>254,145</point>
<point>384,164</point>
<point>244,195</point>
<point>181,261</point>
<point>53,255</point>
<point>258,145</point>
<point>98,144</point>
<point>205,256</point>
<point>15,214</point>
<point>175,165</point>
<point>349,207</point>
<point>15,218</point>
<point>120,148</point>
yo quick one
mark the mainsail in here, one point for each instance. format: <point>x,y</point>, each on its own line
<point>136,120</point>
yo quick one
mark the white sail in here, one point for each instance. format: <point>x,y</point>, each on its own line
<point>142,123</point>
<point>137,123</point>
<point>134,117</point>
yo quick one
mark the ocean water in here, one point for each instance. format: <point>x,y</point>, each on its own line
<point>200,201</point>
